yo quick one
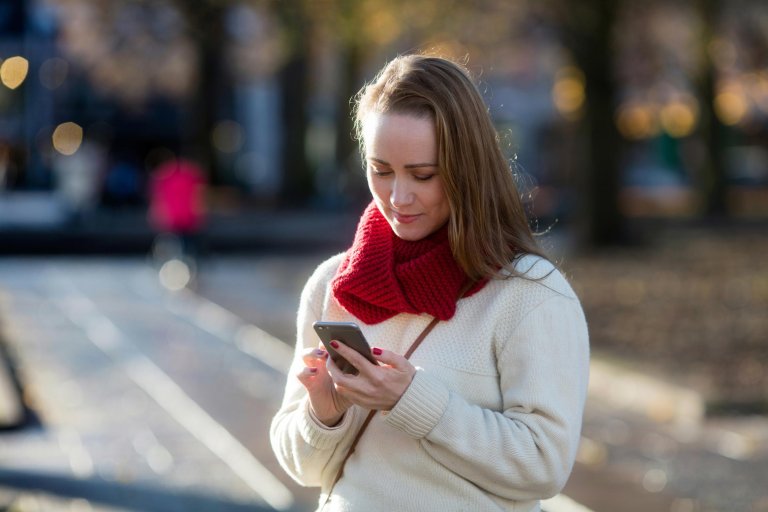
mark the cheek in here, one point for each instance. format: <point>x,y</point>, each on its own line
<point>438,200</point>
<point>377,188</point>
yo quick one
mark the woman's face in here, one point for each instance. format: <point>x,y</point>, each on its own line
<point>403,176</point>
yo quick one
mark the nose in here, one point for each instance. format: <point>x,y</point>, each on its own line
<point>401,194</point>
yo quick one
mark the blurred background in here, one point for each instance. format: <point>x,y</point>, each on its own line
<point>171,171</point>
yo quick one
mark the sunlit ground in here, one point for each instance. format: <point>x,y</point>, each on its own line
<point>691,306</point>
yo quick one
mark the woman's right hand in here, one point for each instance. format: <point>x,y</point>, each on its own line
<point>327,405</point>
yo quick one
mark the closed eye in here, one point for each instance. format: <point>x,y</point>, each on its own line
<point>380,172</point>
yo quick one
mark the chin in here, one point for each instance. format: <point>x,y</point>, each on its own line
<point>410,235</point>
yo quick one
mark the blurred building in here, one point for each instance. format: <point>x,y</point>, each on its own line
<point>65,147</point>
<point>87,109</point>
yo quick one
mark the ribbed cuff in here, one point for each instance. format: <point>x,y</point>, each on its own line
<point>421,406</point>
<point>320,436</point>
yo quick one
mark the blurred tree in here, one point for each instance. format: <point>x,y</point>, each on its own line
<point>205,22</point>
<point>184,49</point>
<point>737,89</point>
<point>356,30</point>
<point>12,18</point>
<point>715,186</point>
<point>180,49</point>
<point>298,184</point>
<point>588,33</point>
<point>137,51</point>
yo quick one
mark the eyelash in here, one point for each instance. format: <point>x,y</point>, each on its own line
<point>387,173</point>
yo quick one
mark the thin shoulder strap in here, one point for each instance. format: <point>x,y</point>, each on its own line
<point>372,413</point>
<point>421,337</point>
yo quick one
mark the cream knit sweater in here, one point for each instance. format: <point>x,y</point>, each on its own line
<point>491,420</point>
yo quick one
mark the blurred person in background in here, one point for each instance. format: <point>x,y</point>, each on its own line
<point>79,177</point>
<point>487,413</point>
<point>177,211</point>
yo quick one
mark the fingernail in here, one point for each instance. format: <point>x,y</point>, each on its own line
<point>335,344</point>
<point>377,351</point>
<point>320,352</point>
<point>313,370</point>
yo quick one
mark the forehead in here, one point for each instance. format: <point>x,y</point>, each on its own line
<point>399,134</point>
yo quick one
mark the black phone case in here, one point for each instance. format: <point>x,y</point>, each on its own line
<point>349,334</point>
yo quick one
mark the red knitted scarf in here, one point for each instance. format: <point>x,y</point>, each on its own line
<point>383,275</point>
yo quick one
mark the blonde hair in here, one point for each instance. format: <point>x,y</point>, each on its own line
<point>487,226</point>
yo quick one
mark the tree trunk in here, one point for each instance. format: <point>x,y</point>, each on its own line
<point>351,175</point>
<point>592,44</point>
<point>715,180</point>
<point>297,185</point>
<point>206,23</point>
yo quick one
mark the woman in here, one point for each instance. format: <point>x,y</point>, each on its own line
<point>486,414</point>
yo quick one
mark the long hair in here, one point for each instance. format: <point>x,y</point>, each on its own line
<point>487,226</point>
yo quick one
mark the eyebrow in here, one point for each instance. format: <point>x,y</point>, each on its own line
<point>407,166</point>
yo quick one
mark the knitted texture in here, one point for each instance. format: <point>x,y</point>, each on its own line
<point>383,275</point>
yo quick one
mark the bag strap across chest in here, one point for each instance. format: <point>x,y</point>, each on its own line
<point>419,339</point>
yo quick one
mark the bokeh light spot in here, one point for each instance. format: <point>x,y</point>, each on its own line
<point>730,106</point>
<point>678,118</point>
<point>67,138</point>
<point>592,453</point>
<point>568,93</point>
<point>175,275</point>
<point>637,121</point>
<point>655,480</point>
<point>14,71</point>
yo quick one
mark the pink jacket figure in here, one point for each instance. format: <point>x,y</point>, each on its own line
<point>176,197</point>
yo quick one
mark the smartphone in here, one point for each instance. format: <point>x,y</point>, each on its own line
<point>349,334</point>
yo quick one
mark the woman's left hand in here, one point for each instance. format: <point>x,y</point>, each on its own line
<point>374,387</point>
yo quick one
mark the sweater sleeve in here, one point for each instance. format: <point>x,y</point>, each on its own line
<point>527,450</point>
<point>307,450</point>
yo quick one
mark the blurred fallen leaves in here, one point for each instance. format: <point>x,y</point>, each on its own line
<point>693,306</point>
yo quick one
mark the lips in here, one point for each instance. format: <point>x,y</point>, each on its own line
<point>404,219</point>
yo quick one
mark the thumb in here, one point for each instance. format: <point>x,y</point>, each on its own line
<point>389,358</point>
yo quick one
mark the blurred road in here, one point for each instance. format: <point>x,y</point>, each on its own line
<point>149,400</point>
<point>146,400</point>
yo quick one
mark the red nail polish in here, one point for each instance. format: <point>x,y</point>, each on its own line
<point>335,344</point>
<point>377,351</point>
<point>313,370</point>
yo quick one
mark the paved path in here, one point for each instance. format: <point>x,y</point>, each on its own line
<point>143,403</point>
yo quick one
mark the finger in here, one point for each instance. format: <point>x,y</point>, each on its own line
<point>390,358</point>
<point>340,379</point>
<point>333,369</point>
<point>314,357</point>
<point>307,375</point>
<point>351,355</point>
